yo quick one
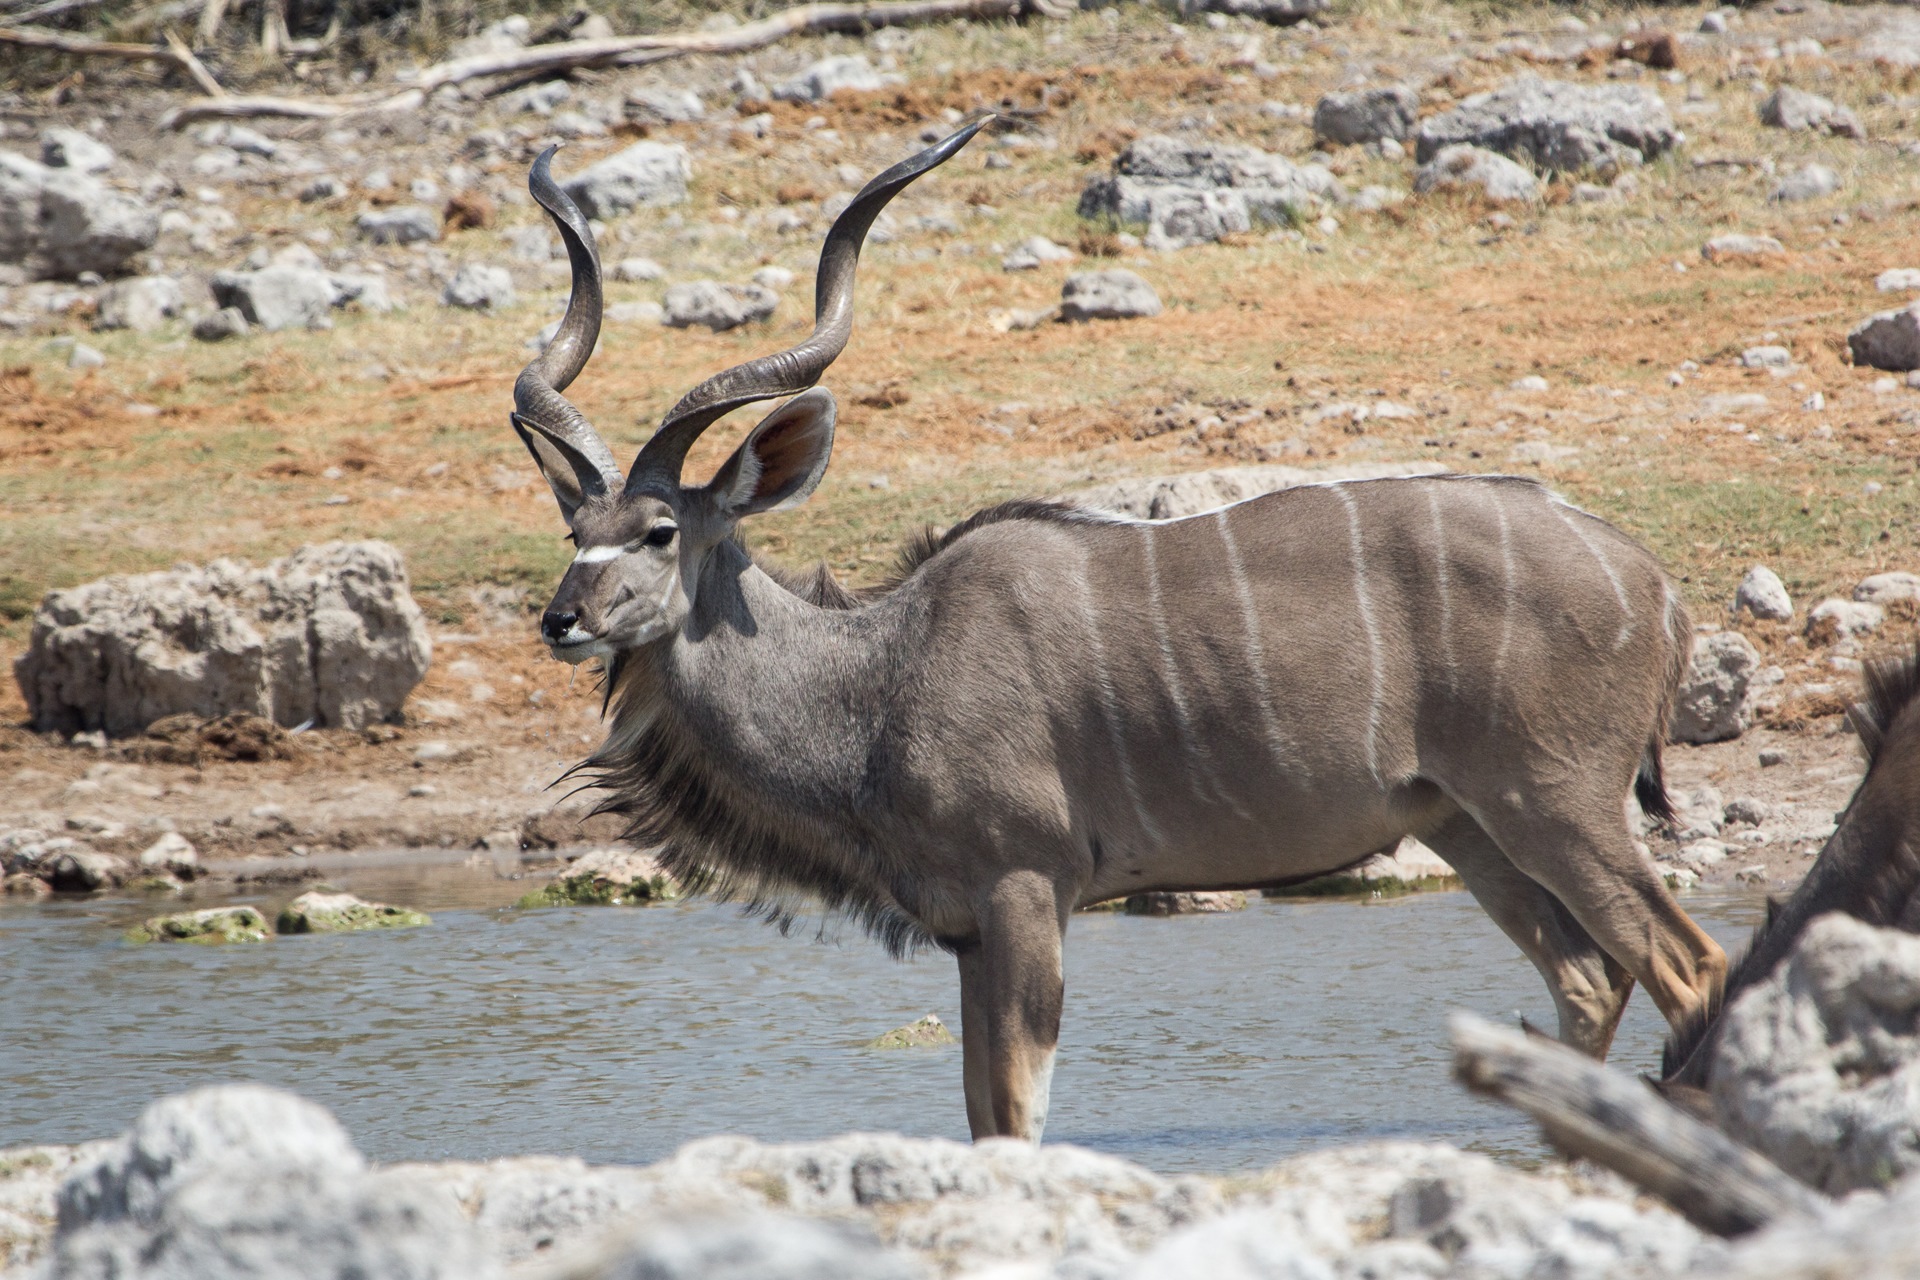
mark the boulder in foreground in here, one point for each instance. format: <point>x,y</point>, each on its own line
<point>329,636</point>
<point>1819,1066</point>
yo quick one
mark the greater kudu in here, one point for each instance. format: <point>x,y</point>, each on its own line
<point>1052,706</point>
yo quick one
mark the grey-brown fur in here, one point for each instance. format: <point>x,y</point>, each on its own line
<point>1052,707</point>
<point>1868,869</point>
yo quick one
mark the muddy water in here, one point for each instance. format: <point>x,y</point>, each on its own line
<point>1212,1043</point>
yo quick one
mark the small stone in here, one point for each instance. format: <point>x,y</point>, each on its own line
<point>211,926</point>
<point>1885,588</point>
<point>324,187</point>
<point>1532,382</point>
<point>637,313</point>
<point>1113,294</point>
<point>1834,620</point>
<point>1809,182</point>
<point>1713,24</point>
<point>1766,358</point>
<point>1898,280</point>
<point>718,306</point>
<point>1796,109</point>
<point>775,278</point>
<point>72,149</point>
<point>172,854</point>
<point>633,270</point>
<point>278,296</point>
<point>1367,115</point>
<point>1888,340</point>
<point>85,357</point>
<point>664,106</point>
<point>1771,756</point>
<point>141,303</point>
<point>829,76</point>
<point>218,326</point>
<point>646,173</point>
<point>1735,246</point>
<point>78,869</point>
<point>928,1032</point>
<point>1762,594</point>
<point>479,287</point>
<point>1030,253</point>
<point>404,224</point>
<point>319,912</point>
<point>1463,167</point>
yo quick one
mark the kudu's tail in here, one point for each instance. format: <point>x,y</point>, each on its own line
<point>1650,783</point>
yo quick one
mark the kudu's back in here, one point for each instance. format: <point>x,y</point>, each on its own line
<point>1284,686</point>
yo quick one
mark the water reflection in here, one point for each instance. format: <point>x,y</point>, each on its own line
<point>1210,1043</point>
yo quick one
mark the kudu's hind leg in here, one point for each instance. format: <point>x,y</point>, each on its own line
<point>1589,987</point>
<point>1588,861</point>
<point>1010,998</point>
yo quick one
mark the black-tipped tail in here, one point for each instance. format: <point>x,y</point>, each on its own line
<point>1650,786</point>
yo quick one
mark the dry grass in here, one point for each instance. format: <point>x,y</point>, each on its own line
<point>182,451</point>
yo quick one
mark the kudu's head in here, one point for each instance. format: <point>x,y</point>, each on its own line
<point>642,539</point>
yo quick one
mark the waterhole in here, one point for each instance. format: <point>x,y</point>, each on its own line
<point>1213,1043</point>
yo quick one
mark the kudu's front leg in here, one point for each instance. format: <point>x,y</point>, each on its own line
<point>1010,998</point>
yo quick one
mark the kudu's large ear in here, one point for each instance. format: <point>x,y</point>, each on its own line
<point>570,473</point>
<point>781,461</point>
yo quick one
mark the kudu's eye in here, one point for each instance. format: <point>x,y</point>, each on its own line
<point>660,535</point>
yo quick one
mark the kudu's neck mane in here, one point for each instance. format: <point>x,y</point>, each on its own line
<point>720,822</point>
<point>1853,868</point>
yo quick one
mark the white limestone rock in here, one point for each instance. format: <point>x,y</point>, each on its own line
<point>1762,594</point>
<point>646,173</point>
<point>328,635</point>
<point>1713,704</point>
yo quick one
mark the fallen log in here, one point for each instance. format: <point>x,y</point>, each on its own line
<point>555,59</point>
<point>61,42</point>
<point>1617,1121</point>
<point>247,107</point>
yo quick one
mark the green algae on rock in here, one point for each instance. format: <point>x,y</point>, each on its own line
<point>926,1033</point>
<point>606,878</point>
<point>212,925</point>
<point>319,912</point>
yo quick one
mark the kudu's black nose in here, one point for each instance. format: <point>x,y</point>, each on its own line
<point>554,625</point>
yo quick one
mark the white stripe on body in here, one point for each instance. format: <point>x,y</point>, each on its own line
<point>1256,652</point>
<point>1560,508</point>
<point>1200,771</point>
<point>1443,582</point>
<point>1508,601</point>
<point>1365,600</point>
<point>1110,708</point>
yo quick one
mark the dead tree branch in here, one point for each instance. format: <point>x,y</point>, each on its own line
<point>61,42</point>
<point>1616,1121</point>
<point>555,59</point>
